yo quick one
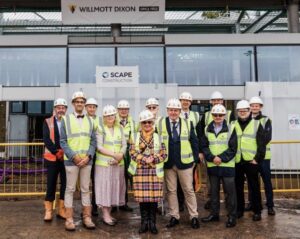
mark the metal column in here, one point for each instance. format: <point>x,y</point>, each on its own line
<point>293,16</point>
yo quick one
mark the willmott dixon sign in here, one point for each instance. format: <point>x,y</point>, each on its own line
<point>112,11</point>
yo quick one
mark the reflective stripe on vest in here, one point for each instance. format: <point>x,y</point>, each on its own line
<point>218,144</point>
<point>209,118</point>
<point>185,146</point>
<point>47,154</point>
<point>263,122</point>
<point>247,145</point>
<point>112,143</point>
<point>78,136</point>
<point>159,168</point>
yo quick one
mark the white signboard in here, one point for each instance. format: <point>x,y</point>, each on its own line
<point>113,11</point>
<point>117,76</point>
<point>294,121</point>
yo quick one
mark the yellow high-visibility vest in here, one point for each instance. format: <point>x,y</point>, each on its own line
<point>78,136</point>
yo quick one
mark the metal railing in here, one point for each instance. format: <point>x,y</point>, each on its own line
<point>23,173</point>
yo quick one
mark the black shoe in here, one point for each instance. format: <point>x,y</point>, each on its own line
<point>207,205</point>
<point>95,210</point>
<point>271,211</point>
<point>181,207</point>
<point>173,222</point>
<point>256,217</point>
<point>231,222</point>
<point>144,227</point>
<point>239,214</point>
<point>248,207</point>
<point>195,223</point>
<point>210,218</point>
<point>126,208</point>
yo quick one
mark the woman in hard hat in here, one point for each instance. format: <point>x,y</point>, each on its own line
<point>147,156</point>
<point>152,105</point>
<point>109,171</point>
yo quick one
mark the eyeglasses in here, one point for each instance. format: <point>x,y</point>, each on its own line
<point>217,115</point>
<point>147,122</point>
<point>151,107</point>
<point>79,102</point>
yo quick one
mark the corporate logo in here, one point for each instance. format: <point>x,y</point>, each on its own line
<point>105,74</point>
<point>72,8</point>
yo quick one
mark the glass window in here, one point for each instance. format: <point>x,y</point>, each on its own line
<point>149,59</point>
<point>17,107</point>
<point>48,107</point>
<point>83,62</point>
<point>34,107</point>
<point>278,63</point>
<point>32,66</point>
<point>209,65</point>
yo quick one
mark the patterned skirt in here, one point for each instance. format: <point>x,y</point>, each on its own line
<point>110,186</point>
<point>146,185</point>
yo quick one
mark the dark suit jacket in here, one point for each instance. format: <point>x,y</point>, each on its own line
<point>53,148</point>
<point>174,157</point>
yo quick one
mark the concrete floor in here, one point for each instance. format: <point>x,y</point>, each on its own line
<point>24,219</point>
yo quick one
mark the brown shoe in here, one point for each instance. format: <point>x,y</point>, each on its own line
<point>69,224</point>
<point>48,211</point>
<point>87,219</point>
<point>61,210</point>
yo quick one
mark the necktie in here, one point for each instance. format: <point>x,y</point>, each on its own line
<point>80,116</point>
<point>174,131</point>
<point>186,115</point>
<point>123,122</point>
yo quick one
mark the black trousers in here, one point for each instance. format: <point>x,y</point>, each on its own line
<point>229,191</point>
<point>93,201</point>
<point>128,177</point>
<point>53,170</point>
<point>251,172</point>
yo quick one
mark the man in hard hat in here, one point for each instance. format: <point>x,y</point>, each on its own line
<point>182,148</point>
<point>78,141</point>
<point>186,102</point>
<point>127,123</point>
<point>91,106</point>
<point>256,105</point>
<point>219,144</point>
<point>250,154</point>
<point>54,160</point>
<point>215,98</point>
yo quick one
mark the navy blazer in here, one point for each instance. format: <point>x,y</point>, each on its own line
<point>174,158</point>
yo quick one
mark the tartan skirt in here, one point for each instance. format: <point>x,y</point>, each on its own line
<point>147,187</point>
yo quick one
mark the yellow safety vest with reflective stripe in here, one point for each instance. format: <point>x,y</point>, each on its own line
<point>129,128</point>
<point>185,146</point>
<point>112,143</point>
<point>209,118</point>
<point>159,168</point>
<point>218,144</point>
<point>247,145</point>
<point>78,136</point>
<point>263,122</point>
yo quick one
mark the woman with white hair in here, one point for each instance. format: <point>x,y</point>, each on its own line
<point>109,171</point>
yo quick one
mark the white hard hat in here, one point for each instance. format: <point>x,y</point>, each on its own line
<point>216,95</point>
<point>152,101</point>
<point>109,110</point>
<point>123,104</point>
<point>218,109</point>
<point>78,94</point>
<point>242,104</point>
<point>146,115</point>
<point>256,100</point>
<point>91,101</point>
<point>186,96</point>
<point>174,104</point>
<point>60,101</point>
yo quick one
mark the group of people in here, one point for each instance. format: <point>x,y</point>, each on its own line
<point>160,154</point>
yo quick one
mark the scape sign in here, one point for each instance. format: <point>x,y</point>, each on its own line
<point>113,11</point>
<point>117,76</point>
